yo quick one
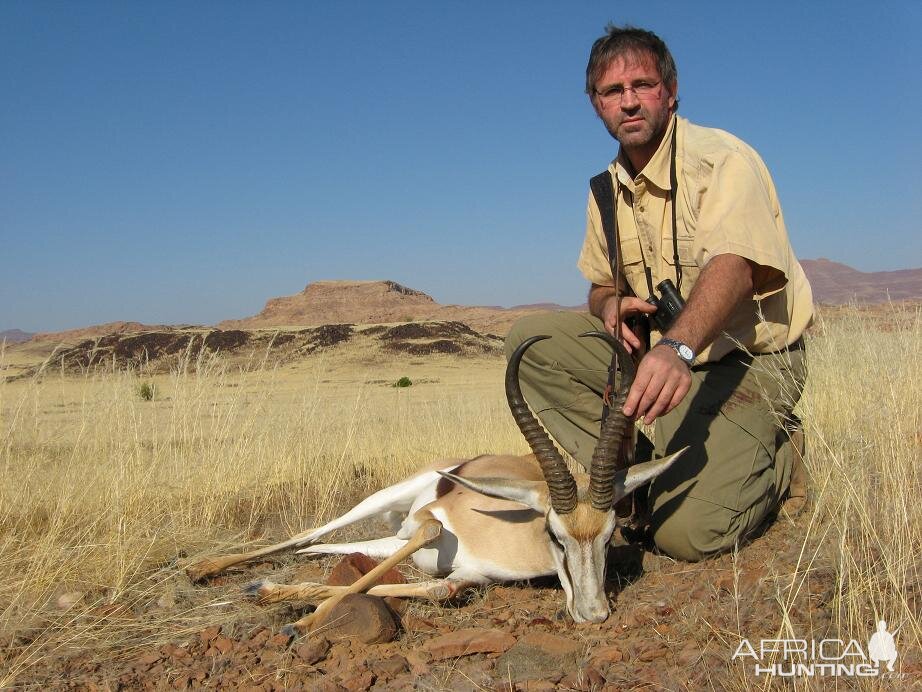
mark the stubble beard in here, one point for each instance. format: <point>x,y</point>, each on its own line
<point>648,134</point>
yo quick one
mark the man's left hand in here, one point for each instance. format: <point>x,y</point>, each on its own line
<point>662,381</point>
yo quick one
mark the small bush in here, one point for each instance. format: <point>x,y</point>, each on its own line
<point>146,391</point>
<point>403,382</point>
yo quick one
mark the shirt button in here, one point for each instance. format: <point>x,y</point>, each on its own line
<point>640,208</point>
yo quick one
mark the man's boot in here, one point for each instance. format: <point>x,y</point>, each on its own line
<point>796,495</point>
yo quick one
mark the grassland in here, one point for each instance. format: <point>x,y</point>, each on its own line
<point>104,495</point>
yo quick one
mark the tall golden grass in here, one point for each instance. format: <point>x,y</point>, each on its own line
<point>103,495</point>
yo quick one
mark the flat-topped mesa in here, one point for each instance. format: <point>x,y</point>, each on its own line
<point>356,302</point>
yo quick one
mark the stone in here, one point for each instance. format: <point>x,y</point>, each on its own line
<point>68,600</point>
<point>390,667</point>
<point>259,637</point>
<point>538,656</point>
<point>279,641</point>
<point>356,565</point>
<point>414,623</point>
<point>360,682</point>
<point>360,616</point>
<point>606,655</point>
<point>419,662</point>
<point>223,644</point>
<point>468,641</point>
<point>209,633</point>
<point>313,651</point>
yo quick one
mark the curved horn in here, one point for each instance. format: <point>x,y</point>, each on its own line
<point>605,457</point>
<point>560,483</point>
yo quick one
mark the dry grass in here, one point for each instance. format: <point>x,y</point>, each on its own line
<point>103,494</point>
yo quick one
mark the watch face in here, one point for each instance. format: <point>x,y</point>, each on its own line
<point>686,352</point>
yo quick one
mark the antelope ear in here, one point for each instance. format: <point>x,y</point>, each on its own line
<point>532,494</point>
<point>630,479</point>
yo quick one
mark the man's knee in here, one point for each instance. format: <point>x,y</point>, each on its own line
<point>698,530</point>
<point>525,328</point>
<point>561,326</point>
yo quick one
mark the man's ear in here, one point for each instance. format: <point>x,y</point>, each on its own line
<point>532,494</point>
<point>673,95</point>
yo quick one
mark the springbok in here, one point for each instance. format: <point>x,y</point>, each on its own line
<point>489,519</point>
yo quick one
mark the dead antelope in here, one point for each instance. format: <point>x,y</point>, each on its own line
<point>491,518</point>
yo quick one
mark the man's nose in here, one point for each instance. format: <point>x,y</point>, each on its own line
<point>629,100</point>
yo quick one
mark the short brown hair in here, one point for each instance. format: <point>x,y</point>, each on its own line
<point>622,40</point>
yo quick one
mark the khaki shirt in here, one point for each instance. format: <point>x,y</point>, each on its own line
<point>727,204</point>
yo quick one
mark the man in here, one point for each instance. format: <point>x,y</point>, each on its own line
<point>697,206</point>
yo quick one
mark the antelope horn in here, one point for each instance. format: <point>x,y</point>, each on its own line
<point>560,483</point>
<point>605,457</point>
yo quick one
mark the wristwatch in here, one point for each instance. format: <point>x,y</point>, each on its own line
<point>683,350</point>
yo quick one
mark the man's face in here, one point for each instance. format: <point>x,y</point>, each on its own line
<point>633,102</point>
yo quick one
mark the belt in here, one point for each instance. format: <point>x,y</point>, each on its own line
<point>796,346</point>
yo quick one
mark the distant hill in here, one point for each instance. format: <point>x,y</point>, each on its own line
<point>14,336</point>
<point>834,283</point>
<point>388,302</point>
<point>74,335</point>
<point>375,302</point>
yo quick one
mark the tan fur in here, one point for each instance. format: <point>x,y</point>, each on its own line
<point>585,522</point>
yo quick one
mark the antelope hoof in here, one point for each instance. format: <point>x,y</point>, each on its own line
<point>258,589</point>
<point>291,630</point>
<point>203,569</point>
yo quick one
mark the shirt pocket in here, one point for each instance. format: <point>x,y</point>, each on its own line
<point>632,262</point>
<point>687,261</point>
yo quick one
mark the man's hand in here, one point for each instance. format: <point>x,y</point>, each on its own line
<point>662,380</point>
<point>630,306</point>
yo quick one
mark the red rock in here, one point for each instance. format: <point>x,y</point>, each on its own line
<point>360,683</point>
<point>223,644</point>
<point>540,686</point>
<point>363,617</point>
<point>356,565</point>
<point>147,660</point>
<point>468,641</point>
<point>313,651</point>
<point>652,654</point>
<point>258,638</point>
<point>538,656</point>
<point>182,681</point>
<point>552,645</point>
<point>606,655</point>
<point>206,635</point>
<point>413,623</point>
<point>390,667</point>
<point>419,662</point>
<point>279,641</point>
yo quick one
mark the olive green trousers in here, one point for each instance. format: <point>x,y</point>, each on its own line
<point>735,419</point>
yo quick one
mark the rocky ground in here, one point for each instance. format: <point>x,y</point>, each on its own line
<point>673,626</point>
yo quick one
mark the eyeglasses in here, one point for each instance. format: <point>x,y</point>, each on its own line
<point>642,90</point>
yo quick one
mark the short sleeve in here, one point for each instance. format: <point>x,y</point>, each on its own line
<point>739,214</point>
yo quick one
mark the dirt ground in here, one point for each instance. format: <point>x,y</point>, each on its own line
<point>673,626</point>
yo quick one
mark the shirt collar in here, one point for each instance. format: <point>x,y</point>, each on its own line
<point>657,169</point>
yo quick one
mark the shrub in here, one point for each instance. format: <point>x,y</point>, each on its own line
<point>146,391</point>
<point>403,382</point>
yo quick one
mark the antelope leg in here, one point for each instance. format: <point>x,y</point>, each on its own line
<point>427,533</point>
<point>268,592</point>
<point>208,566</point>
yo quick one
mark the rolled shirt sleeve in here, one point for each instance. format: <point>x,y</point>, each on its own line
<point>739,215</point>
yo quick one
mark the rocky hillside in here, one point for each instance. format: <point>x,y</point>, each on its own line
<point>834,283</point>
<point>374,302</point>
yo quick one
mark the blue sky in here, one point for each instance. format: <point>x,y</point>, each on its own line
<point>183,162</point>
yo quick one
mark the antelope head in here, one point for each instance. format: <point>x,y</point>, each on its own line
<point>579,520</point>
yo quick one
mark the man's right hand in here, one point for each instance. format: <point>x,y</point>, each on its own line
<point>630,306</point>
